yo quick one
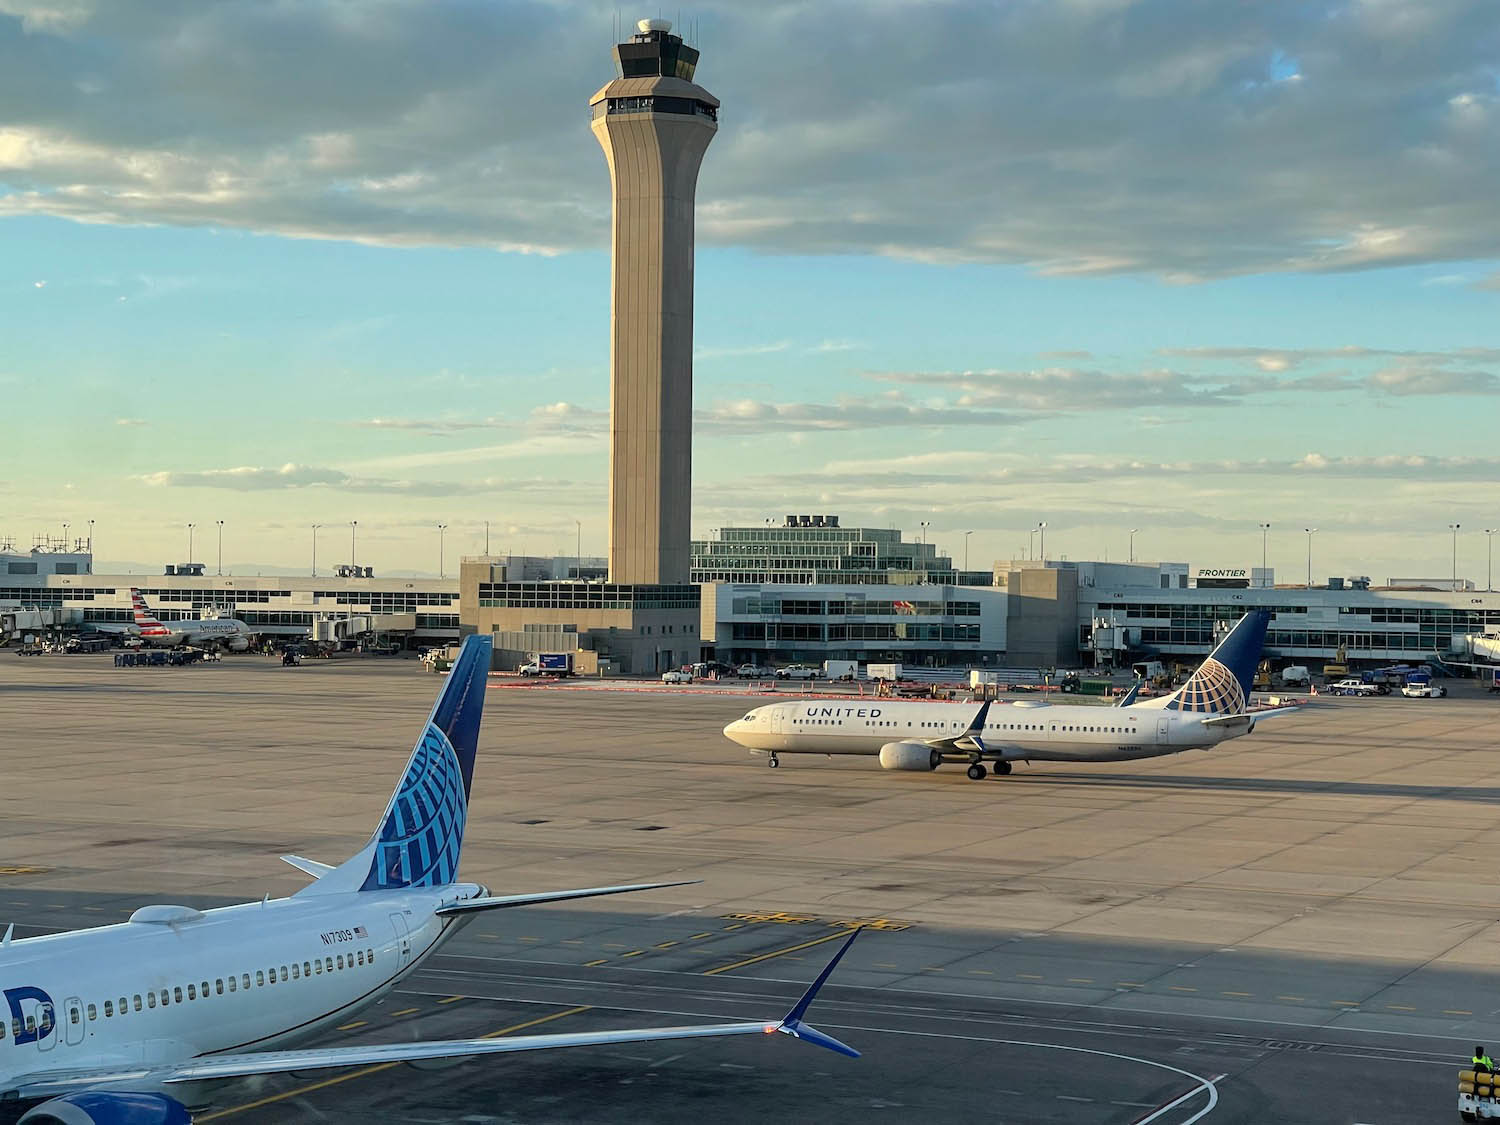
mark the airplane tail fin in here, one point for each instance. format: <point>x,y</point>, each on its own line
<point>145,620</point>
<point>1222,683</point>
<point>422,831</point>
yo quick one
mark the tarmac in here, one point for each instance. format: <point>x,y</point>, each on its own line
<point>1296,926</point>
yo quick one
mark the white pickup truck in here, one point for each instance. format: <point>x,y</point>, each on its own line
<point>798,672</point>
<point>1352,687</point>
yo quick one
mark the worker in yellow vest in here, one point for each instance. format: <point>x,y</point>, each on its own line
<point>1482,1062</point>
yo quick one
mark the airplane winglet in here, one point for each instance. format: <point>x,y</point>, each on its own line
<point>9,930</point>
<point>973,736</point>
<point>792,1023</point>
<point>1130,696</point>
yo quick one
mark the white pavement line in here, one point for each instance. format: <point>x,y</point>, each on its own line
<point>1213,1091</point>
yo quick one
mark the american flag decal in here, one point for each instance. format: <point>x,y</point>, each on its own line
<point>360,931</point>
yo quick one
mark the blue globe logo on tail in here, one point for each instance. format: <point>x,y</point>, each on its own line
<point>422,833</point>
<point>423,830</point>
<point>1221,685</point>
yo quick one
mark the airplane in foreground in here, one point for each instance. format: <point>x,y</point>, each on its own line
<point>228,632</point>
<point>907,735</point>
<point>137,1022</point>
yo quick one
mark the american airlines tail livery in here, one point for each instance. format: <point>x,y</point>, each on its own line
<point>1209,708</point>
<point>138,1022</point>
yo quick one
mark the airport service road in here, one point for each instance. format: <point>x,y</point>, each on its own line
<point>1332,875</point>
<point>970,1045</point>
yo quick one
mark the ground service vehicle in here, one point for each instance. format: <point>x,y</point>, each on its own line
<point>889,672</point>
<point>1476,1096</point>
<point>1154,672</point>
<point>548,664</point>
<point>751,671</point>
<point>1419,685</point>
<point>676,676</point>
<point>1352,687</point>
<point>841,669</point>
<point>1296,675</point>
<point>797,672</point>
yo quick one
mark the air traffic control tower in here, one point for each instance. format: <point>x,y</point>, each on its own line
<point>654,125</point>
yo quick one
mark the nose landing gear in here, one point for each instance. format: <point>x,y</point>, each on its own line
<point>773,761</point>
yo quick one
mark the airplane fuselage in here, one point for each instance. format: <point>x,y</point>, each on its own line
<point>222,630</point>
<point>1020,731</point>
<point>240,978</point>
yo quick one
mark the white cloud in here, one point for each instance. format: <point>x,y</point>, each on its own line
<point>131,422</point>
<point>1076,138</point>
<point>294,477</point>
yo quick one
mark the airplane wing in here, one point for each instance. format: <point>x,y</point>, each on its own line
<point>500,902</point>
<point>48,1084</point>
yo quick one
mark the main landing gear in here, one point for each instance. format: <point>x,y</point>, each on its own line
<point>773,761</point>
<point>977,772</point>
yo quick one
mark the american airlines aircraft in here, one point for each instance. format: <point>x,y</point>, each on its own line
<point>139,1021</point>
<point>229,632</point>
<point>1208,709</point>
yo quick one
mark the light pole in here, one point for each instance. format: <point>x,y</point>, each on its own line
<point>315,548</point>
<point>190,541</point>
<point>1489,557</point>
<point>1042,527</point>
<point>1133,530</point>
<point>1311,531</point>
<point>1264,528</point>
<point>1453,527</point>
<point>578,550</point>
<point>91,546</point>
<point>1031,544</point>
<point>966,549</point>
<point>221,545</point>
<point>65,535</point>
<point>486,537</point>
<point>352,525</point>
<point>442,527</point>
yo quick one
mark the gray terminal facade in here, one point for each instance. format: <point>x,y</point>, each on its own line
<point>654,125</point>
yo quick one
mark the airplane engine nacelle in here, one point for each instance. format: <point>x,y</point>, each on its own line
<point>109,1107</point>
<point>239,644</point>
<point>909,756</point>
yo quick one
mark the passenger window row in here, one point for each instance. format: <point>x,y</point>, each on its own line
<point>195,990</point>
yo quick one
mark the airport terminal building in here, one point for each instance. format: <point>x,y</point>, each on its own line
<point>409,611</point>
<point>1033,614</point>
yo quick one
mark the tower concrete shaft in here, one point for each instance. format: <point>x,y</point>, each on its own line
<point>654,125</point>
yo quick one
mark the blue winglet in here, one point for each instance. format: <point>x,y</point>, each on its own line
<point>793,1025</point>
<point>975,733</point>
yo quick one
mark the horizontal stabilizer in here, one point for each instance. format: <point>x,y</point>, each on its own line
<point>501,902</point>
<point>308,866</point>
<point>1251,717</point>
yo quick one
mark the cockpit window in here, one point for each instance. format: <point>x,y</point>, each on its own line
<point>750,718</point>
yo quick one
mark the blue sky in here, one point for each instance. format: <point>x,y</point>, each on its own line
<point>1088,276</point>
